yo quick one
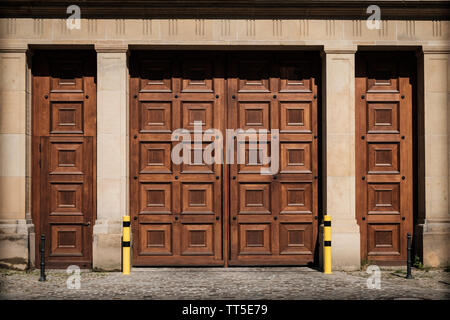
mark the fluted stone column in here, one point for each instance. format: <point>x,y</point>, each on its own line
<point>339,173</point>
<point>15,218</point>
<point>112,155</point>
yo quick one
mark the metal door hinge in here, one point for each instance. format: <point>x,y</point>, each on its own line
<point>39,163</point>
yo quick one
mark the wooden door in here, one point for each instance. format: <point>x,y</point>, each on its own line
<point>273,218</point>
<point>384,157</point>
<point>176,209</point>
<point>64,146</point>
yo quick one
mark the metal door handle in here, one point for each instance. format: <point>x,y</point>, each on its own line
<point>87,224</point>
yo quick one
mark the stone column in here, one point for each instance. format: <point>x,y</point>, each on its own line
<point>112,155</point>
<point>15,220</point>
<point>434,217</point>
<point>339,127</point>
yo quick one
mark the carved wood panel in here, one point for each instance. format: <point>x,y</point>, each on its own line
<point>176,209</point>
<point>273,217</point>
<point>182,214</point>
<point>384,154</point>
<point>64,144</point>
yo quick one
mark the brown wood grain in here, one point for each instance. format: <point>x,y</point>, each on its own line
<point>64,155</point>
<point>384,154</point>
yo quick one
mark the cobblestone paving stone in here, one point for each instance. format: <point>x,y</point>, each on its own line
<point>225,283</point>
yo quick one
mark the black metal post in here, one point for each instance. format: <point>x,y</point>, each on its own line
<point>408,266</point>
<point>42,278</point>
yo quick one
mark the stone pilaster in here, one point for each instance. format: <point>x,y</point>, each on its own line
<point>112,155</point>
<point>15,222</point>
<point>339,171</point>
<point>433,229</point>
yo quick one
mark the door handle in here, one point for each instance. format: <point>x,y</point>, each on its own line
<point>87,224</point>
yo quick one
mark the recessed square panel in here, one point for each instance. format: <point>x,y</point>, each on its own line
<point>254,198</point>
<point>197,76</point>
<point>66,199</point>
<point>197,239</point>
<point>156,198</point>
<point>155,157</point>
<point>155,116</point>
<point>254,76</point>
<point>66,240</point>
<point>156,76</point>
<point>295,157</point>
<point>295,117</point>
<point>382,117</point>
<point>252,157</point>
<point>197,198</point>
<point>155,239</point>
<point>295,76</point>
<point>383,239</point>
<point>383,198</point>
<point>197,160</point>
<point>384,158</point>
<point>255,238</point>
<point>66,117</point>
<point>202,112</point>
<point>296,198</point>
<point>66,157</point>
<point>296,238</point>
<point>254,115</point>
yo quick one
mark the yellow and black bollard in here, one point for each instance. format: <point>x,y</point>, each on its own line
<point>126,245</point>
<point>327,244</point>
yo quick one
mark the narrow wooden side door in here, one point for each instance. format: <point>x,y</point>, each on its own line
<point>384,156</point>
<point>64,144</point>
<point>176,209</point>
<point>273,218</point>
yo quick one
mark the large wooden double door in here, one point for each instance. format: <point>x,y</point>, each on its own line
<point>210,214</point>
<point>64,148</point>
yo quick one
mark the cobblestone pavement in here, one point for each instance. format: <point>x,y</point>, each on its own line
<point>225,283</point>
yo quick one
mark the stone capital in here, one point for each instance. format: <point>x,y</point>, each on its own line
<point>8,46</point>
<point>344,49</point>
<point>436,49</point>
<point>111,47</point>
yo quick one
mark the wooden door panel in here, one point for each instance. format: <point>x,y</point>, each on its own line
<point>64,139</point>
<point>384,183</point>
<point>273,217</point>
<point>176,208</point>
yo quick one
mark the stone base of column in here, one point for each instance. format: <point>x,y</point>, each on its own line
<point>345,245</point>
<point>107,245</point>
<point>17,244</point>
<point>433,242</point>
